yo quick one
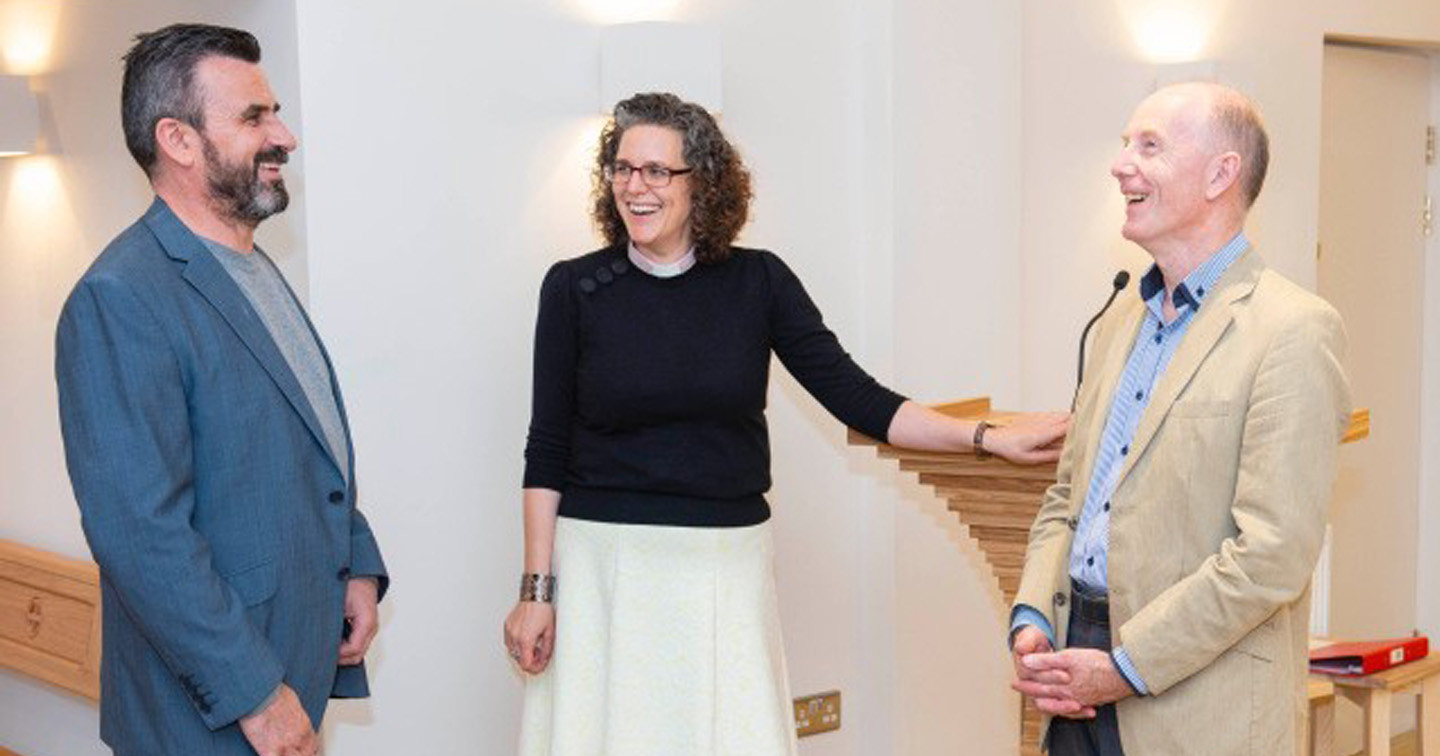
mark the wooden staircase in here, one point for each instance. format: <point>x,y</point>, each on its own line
<point>997,501</point>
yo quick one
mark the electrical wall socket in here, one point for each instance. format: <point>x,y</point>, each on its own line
<point>817,713</point>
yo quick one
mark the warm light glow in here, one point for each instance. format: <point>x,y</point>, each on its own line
<point>626,11</point>
<point>27,34</point>
<point>1172,31</point>
<point>560,203</point>
<point>1170,37</point>
<point>36,184</point>
<point>683,59</point>
<point>37,219</point>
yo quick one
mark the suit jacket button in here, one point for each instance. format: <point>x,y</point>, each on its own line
<point>337,496</point>
<point>1059,599</point>
<point>343,574</point>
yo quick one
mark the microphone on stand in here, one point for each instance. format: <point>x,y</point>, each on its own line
<point>1122,279</point>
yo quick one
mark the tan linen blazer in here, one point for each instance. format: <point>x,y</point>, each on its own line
<point>1217,519</point>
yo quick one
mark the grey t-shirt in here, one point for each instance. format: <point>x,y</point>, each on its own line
<point>268,294</point>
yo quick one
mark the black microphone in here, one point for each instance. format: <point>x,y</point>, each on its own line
<point>1122,279</point>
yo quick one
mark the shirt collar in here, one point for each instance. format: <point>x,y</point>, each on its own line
<point>1191,292</point>
<point>661,270</point>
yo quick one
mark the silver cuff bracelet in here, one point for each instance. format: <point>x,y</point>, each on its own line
<point>537,587</point>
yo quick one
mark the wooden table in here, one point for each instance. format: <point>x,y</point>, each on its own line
<point>1375,695</point>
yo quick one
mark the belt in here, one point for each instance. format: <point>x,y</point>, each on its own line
<point>1089,607</point>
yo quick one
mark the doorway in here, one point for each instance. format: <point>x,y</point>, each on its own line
<point>1371,267</point>
<point>1375,181</point>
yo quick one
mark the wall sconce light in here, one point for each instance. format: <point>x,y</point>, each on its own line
<point>1172,31</point>
<point>683,59</point>
<point>19,117</point>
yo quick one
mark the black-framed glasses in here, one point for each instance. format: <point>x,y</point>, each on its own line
<point>653,174</point>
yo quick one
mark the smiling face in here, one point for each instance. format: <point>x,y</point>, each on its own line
<point>657,219</point>
<point>244,140</point>
<point>1162,169</point>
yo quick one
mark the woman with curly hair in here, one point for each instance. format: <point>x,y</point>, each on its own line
<point>647,612</point>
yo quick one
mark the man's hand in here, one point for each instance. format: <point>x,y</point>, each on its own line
<point>530,635</point>
<point>1030,640</point>
<point>1093,681</point>
<point>1029,438</point>
<point>282,728</point>
<point>362,598</point>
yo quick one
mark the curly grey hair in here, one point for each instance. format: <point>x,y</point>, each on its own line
<point>720,194</point>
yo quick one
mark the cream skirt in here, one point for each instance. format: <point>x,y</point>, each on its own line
<point>667,643</point>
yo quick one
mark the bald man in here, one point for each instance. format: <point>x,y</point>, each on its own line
<point>1165,599</point>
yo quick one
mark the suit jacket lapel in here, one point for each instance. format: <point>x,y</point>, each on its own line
<point>1211,322</point>
<point>207,276</point>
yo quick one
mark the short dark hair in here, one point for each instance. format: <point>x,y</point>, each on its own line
<point>160,80</point>
<point>720,197</point>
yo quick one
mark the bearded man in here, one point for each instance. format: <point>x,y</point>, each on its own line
<point>206,437</point>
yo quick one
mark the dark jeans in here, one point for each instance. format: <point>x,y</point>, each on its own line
<point>1089,628</point>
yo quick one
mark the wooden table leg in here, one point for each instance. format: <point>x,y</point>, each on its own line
<point>1427,717</point>
<point>1377,722</point>
<point>1310,730</point>
<point>1320,738</point>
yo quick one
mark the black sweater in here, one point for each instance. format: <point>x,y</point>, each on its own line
<point>649,393</point>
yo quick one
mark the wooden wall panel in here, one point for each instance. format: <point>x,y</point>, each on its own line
<point>50,618</point>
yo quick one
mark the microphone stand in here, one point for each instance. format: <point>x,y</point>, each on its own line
<point>1122,279</point>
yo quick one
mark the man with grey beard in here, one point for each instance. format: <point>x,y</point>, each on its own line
<point>206,437</point>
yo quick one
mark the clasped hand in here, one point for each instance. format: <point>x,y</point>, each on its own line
<point>1069,683</point>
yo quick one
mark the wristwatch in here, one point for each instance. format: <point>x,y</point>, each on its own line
<point>979,442</point>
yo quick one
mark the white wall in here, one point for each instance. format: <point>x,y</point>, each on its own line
<point>445,175</point>
<point>957,129</point>
<point>57,211</point>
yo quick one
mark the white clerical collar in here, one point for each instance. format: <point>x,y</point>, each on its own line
<point>661,270</point>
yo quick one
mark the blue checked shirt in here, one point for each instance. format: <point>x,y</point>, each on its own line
<point>1150,355</point>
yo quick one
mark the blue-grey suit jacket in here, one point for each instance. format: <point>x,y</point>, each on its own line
<point>224,529</point>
